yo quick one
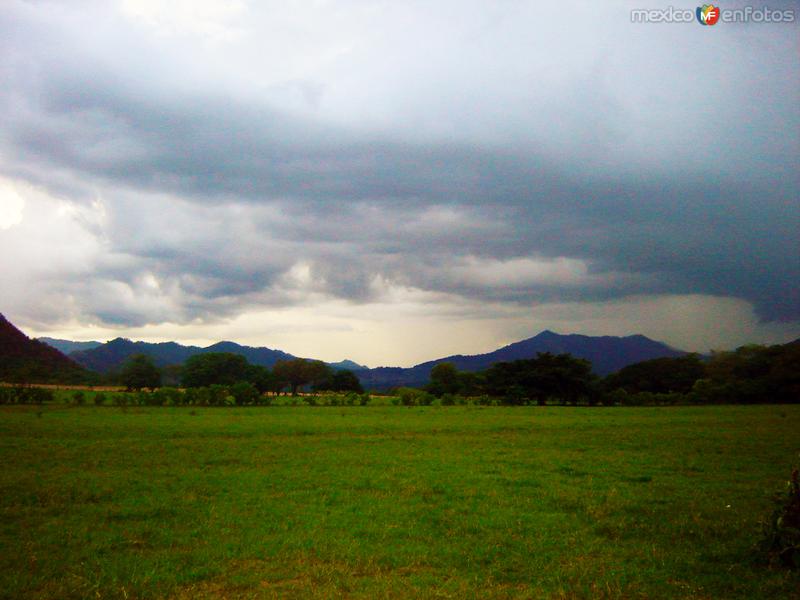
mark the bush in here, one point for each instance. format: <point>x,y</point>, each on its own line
<point>244,393</point>
<point>166,395</point>
<point>414,397</point>
<point>671,399</point>
<point>364,399</point>
<point>36,395</point>
<point>202,396</point>
<point>25,395</point>
<point>174,396</point>
<point>191,396</point>
<point>407,396</point>
<point>99,398</point>
<point>79,397</point>
<point>782,530</point>
<point>218,395</point>
<point>618,397</point>
<point>706,391</point>
<point>448,399</point>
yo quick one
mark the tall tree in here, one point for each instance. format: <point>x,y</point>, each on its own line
<point>299,372</point>
<point>659,375</point>
<point>215,368</point>
<point>444,380</point>
<point>560,376</point>
<point>139,372</point>
<point>341,380</point>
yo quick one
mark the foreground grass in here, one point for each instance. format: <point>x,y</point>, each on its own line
<point>391,502</point>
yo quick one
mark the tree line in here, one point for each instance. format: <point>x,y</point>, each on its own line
<point>748,375</point>
<point>228,369</point>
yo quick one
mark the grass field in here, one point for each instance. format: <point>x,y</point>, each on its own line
<point>456,502</point>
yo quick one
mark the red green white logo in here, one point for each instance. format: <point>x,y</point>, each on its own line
<point>708,14</point>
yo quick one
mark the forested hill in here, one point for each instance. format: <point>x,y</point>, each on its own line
<point>31,361</point>
<point>112,355</point>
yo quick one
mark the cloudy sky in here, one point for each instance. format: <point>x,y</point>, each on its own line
<point>396,181</point>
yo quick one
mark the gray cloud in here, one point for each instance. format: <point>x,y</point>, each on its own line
<point>644,160</point>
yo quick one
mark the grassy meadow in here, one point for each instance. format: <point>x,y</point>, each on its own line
<point>390,502</point>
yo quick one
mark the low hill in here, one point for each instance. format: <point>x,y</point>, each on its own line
<point>31,361</point>
<point>606,353</point>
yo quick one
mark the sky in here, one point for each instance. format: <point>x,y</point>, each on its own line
<point>393,182</point>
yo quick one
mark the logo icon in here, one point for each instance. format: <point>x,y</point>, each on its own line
<point>708,14</point>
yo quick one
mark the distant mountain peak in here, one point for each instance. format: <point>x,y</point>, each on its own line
<point>547,333</point>
<point>348,364</point>
<point>606,353</point>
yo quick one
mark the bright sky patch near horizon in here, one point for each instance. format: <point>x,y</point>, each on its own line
<point>394,182</point>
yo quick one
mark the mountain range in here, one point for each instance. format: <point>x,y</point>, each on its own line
<point>606,353</point>
<point>35,360</point>
<point>110,356</point>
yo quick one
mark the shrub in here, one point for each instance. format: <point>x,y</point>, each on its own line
<point>708,391</point>
<point>218,395</point>
<point>364,399</point>
<point>79,397</point>
<point>407,396</point>
<point>191,396</point>
<point>99,398</point>
<point>202,396</point>
<point>414,397</point>
<point>618,396</point>
<point>244,393</point>
<point>36,395</point>
<point>448,399</point>
<point>6,395</point>
<point>173,396</point>
<point>782,530</point>
<point>155,398</point>
<point>671,399</point>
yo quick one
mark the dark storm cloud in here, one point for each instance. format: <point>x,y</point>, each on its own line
<point>218,196</point>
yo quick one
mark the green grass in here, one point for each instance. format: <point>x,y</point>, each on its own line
<point>386,502</point>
